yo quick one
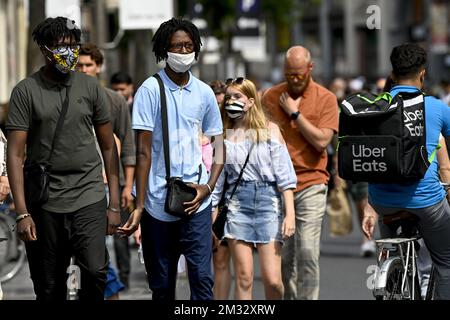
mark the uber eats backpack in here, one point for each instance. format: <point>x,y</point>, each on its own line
<point>383,139</point>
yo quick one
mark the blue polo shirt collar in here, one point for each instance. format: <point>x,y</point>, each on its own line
<point>404,88</point>
<point>172,85</point>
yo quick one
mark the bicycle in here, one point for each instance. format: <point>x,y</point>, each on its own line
<point>12,250</point>
<point>397,274</point>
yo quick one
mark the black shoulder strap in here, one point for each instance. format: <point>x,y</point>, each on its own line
<point>59,124</point>
<point>242,171</point>
<point>165,127</point>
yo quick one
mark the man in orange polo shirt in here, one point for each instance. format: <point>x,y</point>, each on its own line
<point>308,115</point>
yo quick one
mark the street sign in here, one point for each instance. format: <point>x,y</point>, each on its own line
<point>148,14</point>
<point>196,15</point>
<point>248,14</point>
<point>249,36</point>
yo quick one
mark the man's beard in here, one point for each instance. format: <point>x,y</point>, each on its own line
<point>296,91</point>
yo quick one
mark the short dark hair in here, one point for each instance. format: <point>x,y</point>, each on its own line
<point>217,86</point>
<point>121,77</point>
<point>51,30</point>
<point>389,84</point>
<point>408,60</point>
<point>90,49</point>
<point>162,37</point>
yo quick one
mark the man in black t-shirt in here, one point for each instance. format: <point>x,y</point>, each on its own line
<point>75,219</point>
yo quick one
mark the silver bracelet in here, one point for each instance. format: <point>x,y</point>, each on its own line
<point>113,209</point>
<point>209,188</point>
<point>22,216</point>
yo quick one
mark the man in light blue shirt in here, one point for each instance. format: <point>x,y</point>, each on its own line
<point>425,198</point>
<point>191,110</point>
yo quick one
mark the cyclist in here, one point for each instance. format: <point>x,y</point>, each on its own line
<point>426,197</point>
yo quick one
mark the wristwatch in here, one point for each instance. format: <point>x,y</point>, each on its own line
<point>294,115</point>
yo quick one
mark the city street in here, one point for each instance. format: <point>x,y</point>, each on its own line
<point>153,97</point>
<point>343,274</point>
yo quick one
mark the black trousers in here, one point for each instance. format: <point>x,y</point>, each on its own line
<point>60,236</point>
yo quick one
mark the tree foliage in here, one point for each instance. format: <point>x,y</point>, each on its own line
<point>222,15</point>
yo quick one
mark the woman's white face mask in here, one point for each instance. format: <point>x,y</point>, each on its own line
<point>179,62</point>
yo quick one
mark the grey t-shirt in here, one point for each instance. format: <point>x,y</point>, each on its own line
<point>121,125</point>
<point>76,175</point>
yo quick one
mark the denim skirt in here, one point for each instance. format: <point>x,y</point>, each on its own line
<point>255,213</point>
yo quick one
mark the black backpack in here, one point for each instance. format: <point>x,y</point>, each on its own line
<point>383,139</point>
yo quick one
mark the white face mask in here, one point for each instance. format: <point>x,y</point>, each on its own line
<point>179,62</point>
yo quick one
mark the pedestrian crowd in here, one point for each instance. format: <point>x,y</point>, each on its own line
<point>83,161</point>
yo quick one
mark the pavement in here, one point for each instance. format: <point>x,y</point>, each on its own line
<point>344,273</point>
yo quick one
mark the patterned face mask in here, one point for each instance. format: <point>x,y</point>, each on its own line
<point>64,57</point>
<point>235,109</point>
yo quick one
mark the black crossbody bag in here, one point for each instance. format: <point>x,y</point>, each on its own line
<point>37,175</point>
<point>178,191</point>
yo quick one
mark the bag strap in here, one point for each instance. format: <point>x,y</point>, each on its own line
<point>165,127</point>
<point>242,172</point>
<point>59,124</point>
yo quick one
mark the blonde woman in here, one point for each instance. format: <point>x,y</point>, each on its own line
<point>256,217</point>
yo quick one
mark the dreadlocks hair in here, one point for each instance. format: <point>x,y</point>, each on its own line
<point>162,37</point>
<point>51,30</point>
<point>408,60</point>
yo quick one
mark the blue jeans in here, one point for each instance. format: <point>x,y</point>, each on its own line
<point>254,213</point>
<point>162,245</point>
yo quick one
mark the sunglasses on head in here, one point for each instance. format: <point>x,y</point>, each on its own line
<point>238,80</point>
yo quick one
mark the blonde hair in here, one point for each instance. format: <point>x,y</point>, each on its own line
<point>255,118</point>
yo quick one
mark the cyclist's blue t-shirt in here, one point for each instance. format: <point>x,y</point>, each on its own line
<point>427,191</point>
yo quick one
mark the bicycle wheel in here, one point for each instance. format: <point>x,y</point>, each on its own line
<point>393,288</point>
<point>12,252</point>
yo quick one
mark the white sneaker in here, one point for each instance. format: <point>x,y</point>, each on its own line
<point>368,249</point>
